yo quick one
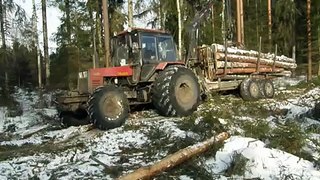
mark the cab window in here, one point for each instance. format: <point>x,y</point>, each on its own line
<point>149,48</point>
<point>119,50</point>
<point>166,49</point>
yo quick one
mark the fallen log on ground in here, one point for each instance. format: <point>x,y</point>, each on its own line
<point>175,159</point>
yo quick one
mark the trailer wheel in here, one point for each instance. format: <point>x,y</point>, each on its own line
<point>268,88</point>
<point>108,107</point>
<point>249,90</point>
<point>176,92</point>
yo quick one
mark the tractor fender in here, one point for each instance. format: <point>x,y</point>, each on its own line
<point>163,65</point>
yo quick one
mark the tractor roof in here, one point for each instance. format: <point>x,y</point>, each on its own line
<point>143,30</point>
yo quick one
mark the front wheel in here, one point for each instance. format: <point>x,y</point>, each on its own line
<point>108,107</point>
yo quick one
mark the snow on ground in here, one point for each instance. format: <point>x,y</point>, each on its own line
<point>31,112</point>
<point>283,82</point>
<point>75,163</point>
<point>83,153</point>
<point>262,162</point>
<point>298,105</point>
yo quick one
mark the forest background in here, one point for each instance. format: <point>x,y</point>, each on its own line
<point>24,62</point>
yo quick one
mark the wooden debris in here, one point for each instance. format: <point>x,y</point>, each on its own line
<point>175,159</point>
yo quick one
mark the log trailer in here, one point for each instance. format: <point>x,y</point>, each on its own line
<point>145,70</point>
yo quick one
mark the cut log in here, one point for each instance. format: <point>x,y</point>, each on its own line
<point>248,59</point>
<point>221,64</point>
<point>249,70</point>
<point>250,53</point>
<point>175,159</point>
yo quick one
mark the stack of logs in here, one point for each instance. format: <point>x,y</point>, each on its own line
<point>217,61</point>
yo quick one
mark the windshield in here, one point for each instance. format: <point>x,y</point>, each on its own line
<point>157,48</point>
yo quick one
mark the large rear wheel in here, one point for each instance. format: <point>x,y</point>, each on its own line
<point>108,107</point>
<point>176,92</point>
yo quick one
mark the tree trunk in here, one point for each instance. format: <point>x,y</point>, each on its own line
<point>36,42</point>
<point>269,25</point>
<point>223,21</point>
<point>238,23</point>
<point>257,22</point>
<point>175,159</point>
<point>309,77</point>
<point>45,40</point>
<point>3,35</point>
<point>319,48</point>
<point>242,22</point>
<point>68,21</point>
<point>159,14</point>
<point>106,31</point>
<point>99,28</point>
<point>4,45</point>
<point>130,13</point>
<point>95,59</point>
<point>213,25</point>
<point>179,29</point>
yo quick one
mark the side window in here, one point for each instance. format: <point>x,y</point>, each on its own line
<point>135,48</point>
<point>119,51</point>
<point>149,48</point>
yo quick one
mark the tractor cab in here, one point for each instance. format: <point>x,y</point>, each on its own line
<point>144,50</point>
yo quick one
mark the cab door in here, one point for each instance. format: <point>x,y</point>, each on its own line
<point>149,53</point>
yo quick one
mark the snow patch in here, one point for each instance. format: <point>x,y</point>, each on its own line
<point>170,127</point>
<point>262,162</point>
<point>299,105</point>
<point>283,82</point>
<point>31,112</point>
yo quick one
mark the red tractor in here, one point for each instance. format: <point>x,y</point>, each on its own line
<point>145,69</point>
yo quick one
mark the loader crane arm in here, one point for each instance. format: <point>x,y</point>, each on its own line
<point>193,28</point>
